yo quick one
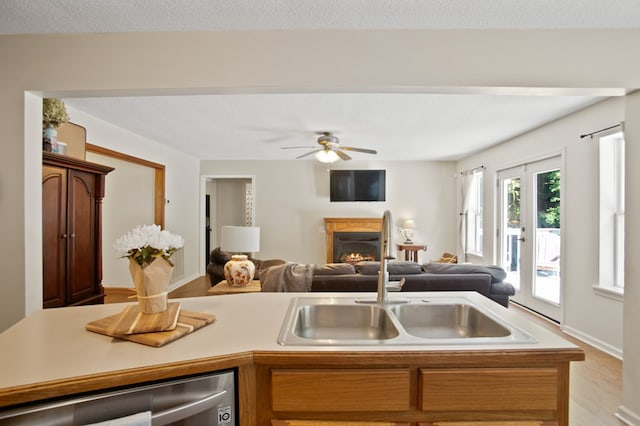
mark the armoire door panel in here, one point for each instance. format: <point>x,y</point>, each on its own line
<point>82,257</point>
<point>54,233</point>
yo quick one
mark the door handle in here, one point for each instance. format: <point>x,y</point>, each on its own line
<point>72,236</point>
<point>63,236</point>
<point>521,239</point>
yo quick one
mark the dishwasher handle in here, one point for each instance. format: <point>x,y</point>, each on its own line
<point>186,410</point>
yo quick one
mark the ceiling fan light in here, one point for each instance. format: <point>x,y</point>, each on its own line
<point>327,156</point>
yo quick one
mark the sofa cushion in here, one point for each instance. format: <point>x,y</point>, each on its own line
<point>397,267</point>
<point>348,282</point>
<point>334,269</point>
<point>394,267</point>
<point>367,268</point>
<point>219,256</point>
<point>502,289</point>
<point>497,273</point>
<point>480,283</point>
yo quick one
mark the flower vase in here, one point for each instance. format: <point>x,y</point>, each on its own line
<point>239,271</point>
<point>50,139</point>
<point>152,283</point>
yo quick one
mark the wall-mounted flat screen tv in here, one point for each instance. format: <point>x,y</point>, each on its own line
<point>357,185</point>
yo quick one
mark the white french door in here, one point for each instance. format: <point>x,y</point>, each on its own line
<point>529,237</point>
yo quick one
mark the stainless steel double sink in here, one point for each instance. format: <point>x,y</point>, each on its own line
<point>325,321</point>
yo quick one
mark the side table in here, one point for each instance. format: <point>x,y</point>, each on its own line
<point>224,288</point>
<point>411,251</point>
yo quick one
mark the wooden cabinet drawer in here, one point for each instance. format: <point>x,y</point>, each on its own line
<point>340,390</point>
<point>486,389</point>
<point>332,423</point>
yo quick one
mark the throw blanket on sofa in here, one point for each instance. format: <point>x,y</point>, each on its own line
<point>290,277</point>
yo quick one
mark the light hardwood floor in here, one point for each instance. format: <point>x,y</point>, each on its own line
<point>596,383</point>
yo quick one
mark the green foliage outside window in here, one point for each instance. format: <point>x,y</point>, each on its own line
<point>513,203</point>
<point>549,199</point>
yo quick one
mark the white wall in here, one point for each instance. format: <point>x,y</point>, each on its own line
<point>292,200</point>
<point>129,201</point>
<point>182,208</point>
<point>630,409</point>
<point>590,316</point>
<point>230,209</point>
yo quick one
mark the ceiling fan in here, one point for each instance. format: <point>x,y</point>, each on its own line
<point>331,149</point>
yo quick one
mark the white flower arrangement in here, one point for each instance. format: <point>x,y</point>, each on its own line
<point>145,243</point>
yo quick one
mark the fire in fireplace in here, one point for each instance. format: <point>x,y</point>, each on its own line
<point>353,247</point>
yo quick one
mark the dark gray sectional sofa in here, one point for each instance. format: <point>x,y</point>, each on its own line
<point>363,276</point>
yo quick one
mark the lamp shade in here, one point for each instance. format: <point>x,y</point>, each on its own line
<point>407,230</point>
<point>409,224</point>
<point>240,239</point>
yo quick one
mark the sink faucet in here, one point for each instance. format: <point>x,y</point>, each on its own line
<point>385,256</point>
<point>383,275</point>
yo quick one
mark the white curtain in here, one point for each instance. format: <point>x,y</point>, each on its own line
<point>465,186</point>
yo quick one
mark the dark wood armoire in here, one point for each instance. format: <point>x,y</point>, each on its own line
<point>72,194</point>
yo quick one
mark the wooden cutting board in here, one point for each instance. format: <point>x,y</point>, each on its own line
<point>132,321</point>
<point>188,322</point>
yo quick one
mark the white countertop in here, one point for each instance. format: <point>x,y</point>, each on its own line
<point>53,344</point>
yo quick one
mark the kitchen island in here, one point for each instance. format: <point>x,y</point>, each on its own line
<point>49,354</point>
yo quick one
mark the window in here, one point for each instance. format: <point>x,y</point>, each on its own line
<point>474,215</point>
<point>611,250</point>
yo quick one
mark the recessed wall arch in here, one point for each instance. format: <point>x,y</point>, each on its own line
<point>159,171</point>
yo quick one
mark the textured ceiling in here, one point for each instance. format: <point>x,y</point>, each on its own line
<point>73,16</point>
<point>400,127</point>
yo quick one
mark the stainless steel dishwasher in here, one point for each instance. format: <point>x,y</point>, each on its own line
<point>194,401</point>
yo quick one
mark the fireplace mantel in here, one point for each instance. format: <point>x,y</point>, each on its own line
<point>348,224</point>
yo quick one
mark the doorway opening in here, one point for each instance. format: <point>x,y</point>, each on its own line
<point>226,201</point>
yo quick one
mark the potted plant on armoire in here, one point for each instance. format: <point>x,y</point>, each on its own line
<point>54,114</point>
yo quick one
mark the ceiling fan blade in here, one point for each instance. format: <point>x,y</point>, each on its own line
<point>297,147</point>
<point>342,155</point>
<point>309,153</point>
<point>366,151</point>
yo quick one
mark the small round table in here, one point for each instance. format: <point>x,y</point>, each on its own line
<point>411,251</point>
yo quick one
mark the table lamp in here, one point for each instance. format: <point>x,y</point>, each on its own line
<point>239,271</point>
<point>407,230</point>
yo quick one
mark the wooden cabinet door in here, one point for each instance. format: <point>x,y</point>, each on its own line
<point>341,390</point>
<point>81,225</point>
<point>54,235</point>
<point>509,390</point>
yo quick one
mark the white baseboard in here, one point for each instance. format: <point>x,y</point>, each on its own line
<point>596,343</point>
<point>183,281</point>
<point>627,416</point>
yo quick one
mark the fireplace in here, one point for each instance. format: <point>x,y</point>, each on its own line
<point>354,247</point>
<point>353,239</point>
